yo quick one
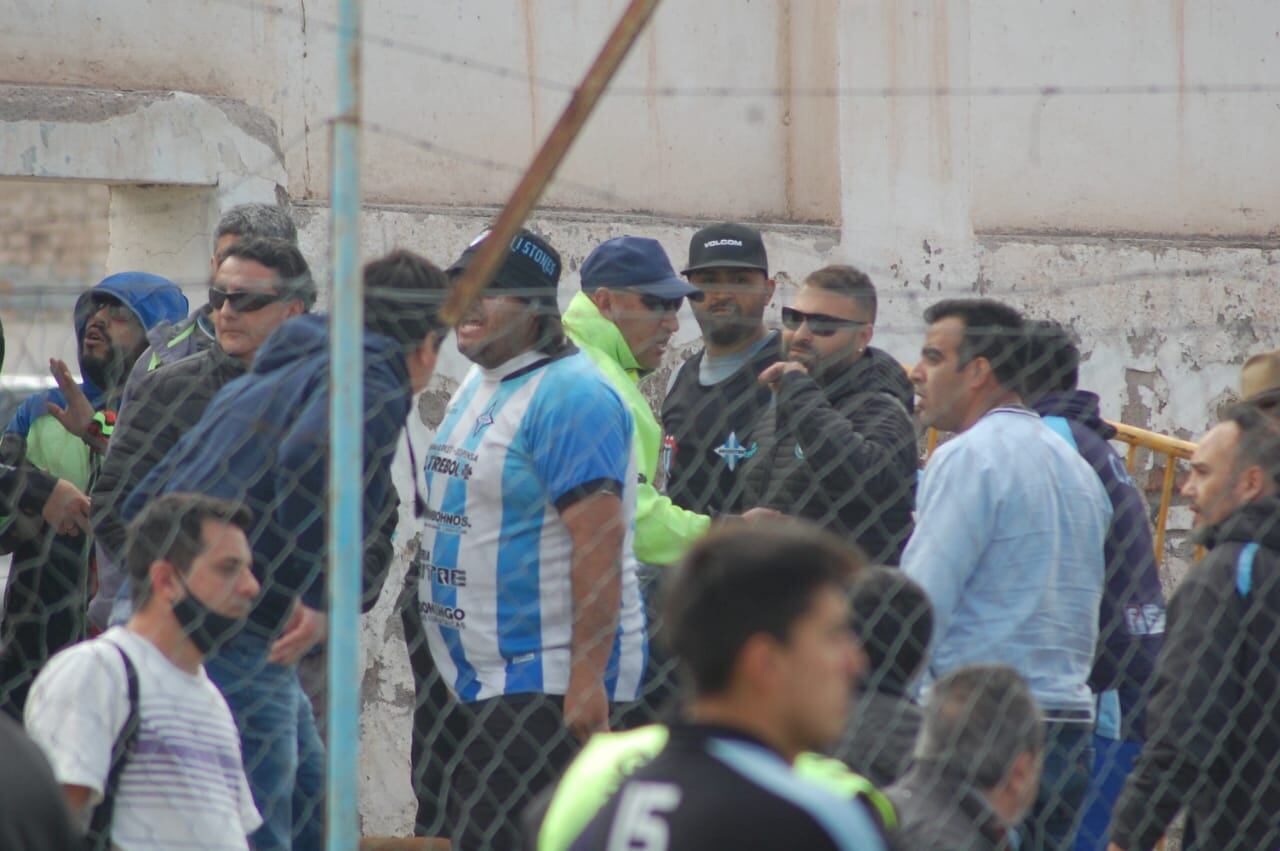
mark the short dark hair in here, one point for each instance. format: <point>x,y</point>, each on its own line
<point>403,294</point>
<point>246,220</point>
<point>849,282</point>
<point>1259,438</point>
<point>992,330</point>
<point>893,620</point>
<point>978,720</point>
<point>1053,361</point>
<point>171,527</point>
<point>738,582</point>
<point>281,257</point>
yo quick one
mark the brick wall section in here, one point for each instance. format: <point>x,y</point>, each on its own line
<point>52,236</point>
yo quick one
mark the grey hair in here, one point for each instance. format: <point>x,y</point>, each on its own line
<point>269,220</point>
<point>979,720</point>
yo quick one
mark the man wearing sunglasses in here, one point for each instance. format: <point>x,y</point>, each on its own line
<point>63,432</point>
<point>173,341</point>
<point>623,319</point>
<point>263,442</point>
<point>839,445</point>
<point>259,284</point>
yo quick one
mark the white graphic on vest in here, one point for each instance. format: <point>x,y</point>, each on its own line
<point>734,452</point>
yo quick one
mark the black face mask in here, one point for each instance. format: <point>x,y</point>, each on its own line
<point>206,628</point>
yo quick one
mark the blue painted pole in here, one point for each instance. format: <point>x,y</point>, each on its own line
<point>346,434</point>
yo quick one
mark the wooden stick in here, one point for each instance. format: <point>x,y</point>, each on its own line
<point>534,182</point>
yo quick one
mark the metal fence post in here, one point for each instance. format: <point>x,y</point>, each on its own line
<point>346,406</point>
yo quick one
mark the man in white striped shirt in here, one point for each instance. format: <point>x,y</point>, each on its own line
<point>527,583</point>
<point>140,739</point>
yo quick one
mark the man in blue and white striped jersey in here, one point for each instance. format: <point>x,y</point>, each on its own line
<point>526,579</point>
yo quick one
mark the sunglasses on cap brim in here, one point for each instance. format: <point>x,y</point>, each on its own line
<point>820,324</point>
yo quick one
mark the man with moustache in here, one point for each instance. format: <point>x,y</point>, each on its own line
<point>623,319</point>
<point>259,284</point>
<point>839,446</point>
<point>527,585</point>
<point>713,400</point>
<point>64,432</point>
<point>1213,720</point>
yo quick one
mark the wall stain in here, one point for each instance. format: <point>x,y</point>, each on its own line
<point>530,52</point>
<point>940,105</point>
<point>785,73</point>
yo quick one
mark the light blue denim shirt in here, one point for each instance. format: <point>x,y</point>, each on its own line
<point>1008,544</point>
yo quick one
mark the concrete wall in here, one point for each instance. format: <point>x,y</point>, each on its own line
<point>1148,222</point>
<point>726,107</point>
<point>1164,328</point>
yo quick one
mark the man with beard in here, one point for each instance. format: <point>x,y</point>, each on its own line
<point>64,432</point>
<point>839,446</point>
<point>1213,720</point>
<point>714,399</point>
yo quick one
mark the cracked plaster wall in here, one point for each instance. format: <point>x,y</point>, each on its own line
<point>1164,327</point>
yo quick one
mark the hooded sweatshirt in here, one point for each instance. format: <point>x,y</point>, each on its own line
<point>263,442</point>
<point>842,454</point>
<point>44,603</point>
<point>664,530</point>
<point>49,446</point>
<point>1131,625</point>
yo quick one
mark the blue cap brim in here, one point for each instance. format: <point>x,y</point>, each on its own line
<point>672,287</point>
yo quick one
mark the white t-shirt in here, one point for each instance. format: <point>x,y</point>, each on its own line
<point>184,786</point>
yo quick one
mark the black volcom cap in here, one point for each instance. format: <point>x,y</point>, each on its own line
<point>727,246</point>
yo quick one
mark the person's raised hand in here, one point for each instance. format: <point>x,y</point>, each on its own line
<point>77,416</point>
<point>772,375</point>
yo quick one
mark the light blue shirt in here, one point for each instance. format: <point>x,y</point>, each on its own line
<point>1010,524</point>
<point>495,590</point>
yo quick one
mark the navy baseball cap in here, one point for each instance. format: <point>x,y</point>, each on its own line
<point>634,263</point>
<point>530,269</point>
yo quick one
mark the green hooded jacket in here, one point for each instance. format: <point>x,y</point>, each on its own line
<point>664,530</point>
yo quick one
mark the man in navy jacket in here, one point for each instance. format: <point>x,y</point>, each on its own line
<point>1132,618</point>
<point>263,443</point>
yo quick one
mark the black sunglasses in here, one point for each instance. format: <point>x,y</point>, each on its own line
<point>656,304</point>
<point>820,324</point>
<point>115,310</point>
<point>242,302</point>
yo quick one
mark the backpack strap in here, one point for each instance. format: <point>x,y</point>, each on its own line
<point>1244,568</point>
<point>99,836</point>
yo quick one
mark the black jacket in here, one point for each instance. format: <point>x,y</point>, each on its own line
<point>166,404</point>
<point>843,455</point>
<point>23,488</point>
<point>940,813</point>
<point>1213,721</point>
<point>163,405</point>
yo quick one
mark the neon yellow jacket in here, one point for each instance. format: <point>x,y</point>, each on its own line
<point>664,530</point>
<point>609,758</point>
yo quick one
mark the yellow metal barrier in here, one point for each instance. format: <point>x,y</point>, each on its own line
<point>1173,449</point>
<point>1135,438</point>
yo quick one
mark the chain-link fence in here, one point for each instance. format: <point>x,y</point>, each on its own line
<point>551,502</point>
<point>1031,668</point>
